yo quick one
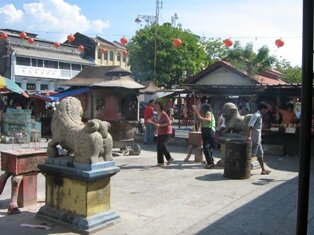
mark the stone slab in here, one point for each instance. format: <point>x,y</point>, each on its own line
<point>63,166</point>
<point>83,225</point>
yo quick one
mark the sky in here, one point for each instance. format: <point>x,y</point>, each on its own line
<point>260,22</point>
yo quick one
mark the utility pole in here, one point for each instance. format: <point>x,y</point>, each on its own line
<point>174,20</point>
<point>152,20</point>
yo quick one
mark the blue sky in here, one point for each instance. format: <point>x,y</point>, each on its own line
<point>258,21</point>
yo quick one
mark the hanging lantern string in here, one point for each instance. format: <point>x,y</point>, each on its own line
<point>129,35</point>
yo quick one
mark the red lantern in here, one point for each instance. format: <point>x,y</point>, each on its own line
<point>228,42</point>
<point>4,36</point>
<point>30,40</point>
<point>81,48</point>
<point>279,42</point>
<point>71,38</point>
<point>125,53</point>
<point>177,42</point>
<point>57,44</point>
<point>103,50</point>
<point>124,40</point>
<point>23,35</point>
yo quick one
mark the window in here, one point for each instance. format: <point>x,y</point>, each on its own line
<point>43,87</point>
<point>37,63</point>
<point>106,55</point>
<point>34,62</point>
<point>119,56</point>
<point>40,63</point>
<point>76,67</point>
<point>51,64</point>
<point>18,83</point>
<point>23,61</point>
<point>124,58</point>
<point>99,54</point>
<point>111,56</point>
<point>64,65</point>
<point>30,86</point>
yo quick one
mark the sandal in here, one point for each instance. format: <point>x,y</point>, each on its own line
<point>13,210</point>
<point>265,172</point>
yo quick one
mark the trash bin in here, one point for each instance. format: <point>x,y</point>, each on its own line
<point>237,163</point>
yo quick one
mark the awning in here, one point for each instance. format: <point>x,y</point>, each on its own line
<point>59,96</point>
<point>161,94</point>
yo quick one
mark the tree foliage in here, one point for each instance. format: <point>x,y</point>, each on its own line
<point>292,74</point>
<point>215,49</point>
<point>244,58</point>
<point>173,64</point>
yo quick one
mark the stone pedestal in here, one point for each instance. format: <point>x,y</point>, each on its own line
<point>237,164</point>
<point>78,195</point>
<point>221,162</point>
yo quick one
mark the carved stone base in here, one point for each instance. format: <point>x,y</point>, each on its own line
<point>75,222</point>
<point>78,195</point>
<point>237,164</point>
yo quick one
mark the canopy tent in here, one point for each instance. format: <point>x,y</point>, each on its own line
<point>8,85</point>
<point>59,96</point>
<point>162,94</point>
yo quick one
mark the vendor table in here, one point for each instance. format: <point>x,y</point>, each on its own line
<point>289,141</point>
<point>22,165</point>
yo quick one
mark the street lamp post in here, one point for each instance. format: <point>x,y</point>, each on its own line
<point>152,20</point>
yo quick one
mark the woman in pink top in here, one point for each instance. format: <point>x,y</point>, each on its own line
<point>164,130</point>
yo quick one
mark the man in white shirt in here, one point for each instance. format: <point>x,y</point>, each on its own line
<point>255,135</point>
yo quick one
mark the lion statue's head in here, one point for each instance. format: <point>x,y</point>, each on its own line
<point>229,110</point>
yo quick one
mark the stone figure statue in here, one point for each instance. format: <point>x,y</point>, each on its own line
<point>236,124</point>
<point>88,142</point>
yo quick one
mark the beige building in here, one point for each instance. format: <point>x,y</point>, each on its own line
<point>102,51</point>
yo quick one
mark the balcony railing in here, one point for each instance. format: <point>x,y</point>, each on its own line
<point>28,71</point>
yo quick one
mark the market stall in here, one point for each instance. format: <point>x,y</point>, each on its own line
<point>113,98</point>
<point>222,83</point>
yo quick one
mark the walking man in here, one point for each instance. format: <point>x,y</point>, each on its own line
<point>254,134</point>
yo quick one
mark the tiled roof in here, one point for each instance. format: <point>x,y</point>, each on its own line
<point>97,76</point>
<point>268,81</point>
<point>269,77</point>
<point>43,49</point>
<point>51,55</point>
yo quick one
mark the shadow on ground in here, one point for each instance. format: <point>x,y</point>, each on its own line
<point>11,224</point>
<point>283,163</point>
<point>272,213</point>
<point>212,177</point>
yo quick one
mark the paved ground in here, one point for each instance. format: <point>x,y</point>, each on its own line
<point>184,198</point>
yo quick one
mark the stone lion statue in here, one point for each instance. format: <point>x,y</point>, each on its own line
<point>235,123</point>
<point>88,142</point>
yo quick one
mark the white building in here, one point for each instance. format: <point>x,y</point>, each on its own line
<point>38,65</point>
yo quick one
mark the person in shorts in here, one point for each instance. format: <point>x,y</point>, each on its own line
<point>254,134</point>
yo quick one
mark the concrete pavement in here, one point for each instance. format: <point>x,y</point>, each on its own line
<point>184,198</point>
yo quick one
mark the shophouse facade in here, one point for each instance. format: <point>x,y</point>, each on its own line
<point>38,65</point>
<point>102,51</point>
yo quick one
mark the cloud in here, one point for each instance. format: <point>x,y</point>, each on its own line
<point>51,16</point>
<point>10,14</point>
